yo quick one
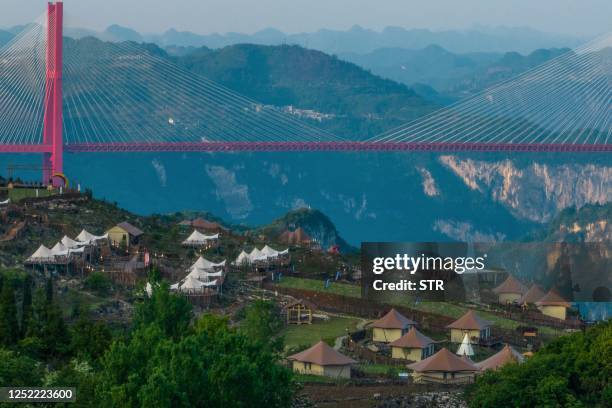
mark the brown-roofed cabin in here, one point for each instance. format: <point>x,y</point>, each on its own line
<point>124,235</point>
<point>553,305</point>
<point>300,312</point>
<point>413,346</point>
<point>476,328</point>
<point>505,356</point>
<point>322,360</point>
<point>534,294</point>
<point>391,327</point>
<point>297,237</point>
<point>444,367</point>
<point>510,290</point>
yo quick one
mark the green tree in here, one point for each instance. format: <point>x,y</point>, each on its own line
<point>169,311</point>
<point>210,366</point>
<point>26,305</point>
<point>571,371</point>
<point>9,326</point>
<point>18,370</point>
<point>262,321</point>
<point>47,335</point>
<point>89,339</point>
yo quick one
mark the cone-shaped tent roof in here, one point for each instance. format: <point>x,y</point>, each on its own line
<point>197,237</point>
<point>203,263</point>
<point>503,357</point>
<point>510,285</point>
<point>70,243</point>
<point>552,298</point>
<point>243,258</point>
<point>469,321</point>
<point>322,354</point>
<point>42,253</point>
<point>465,349</point>
<point>412,339</point>
<point>393,320</point>
<point>59,249</point>
<point>445,361</point>
<point>534,294</point>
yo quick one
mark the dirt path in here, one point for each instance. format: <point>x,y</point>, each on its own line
<point>12,233</point>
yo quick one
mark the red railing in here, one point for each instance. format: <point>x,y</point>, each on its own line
<point>307,146</point>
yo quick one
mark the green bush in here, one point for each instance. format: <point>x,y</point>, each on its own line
<point>98,282</point>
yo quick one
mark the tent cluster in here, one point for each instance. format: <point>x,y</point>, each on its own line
<point>256,256</point>
<point>203,274</point>
<point>63,251</point>
<point>197,239</point>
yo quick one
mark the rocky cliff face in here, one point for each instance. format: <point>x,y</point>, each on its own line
<point>534,192</point>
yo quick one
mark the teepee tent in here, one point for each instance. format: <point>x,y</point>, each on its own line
<point>465,349</point>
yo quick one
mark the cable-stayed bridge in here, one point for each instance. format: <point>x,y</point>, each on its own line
<point>60,95</point>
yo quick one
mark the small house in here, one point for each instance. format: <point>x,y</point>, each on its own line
<point>476,328</point>
<point>322,360</point>
<point>300,312</point>
<point>510,290</point>
<point>534,294</point>
<point>507,355</point>
<point>124,235</point>
<point>391,327</point>
<point>413,346</point>
<point>552,304</point>
<point>298,237</point>
<point>444,367</point>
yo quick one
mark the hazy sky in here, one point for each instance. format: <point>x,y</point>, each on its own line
<point>583,17</point>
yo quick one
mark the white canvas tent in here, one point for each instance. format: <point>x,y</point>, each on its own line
<point>70,243</point>
<point>42,255</point>
<point>87,238</point>
<point>205,264</point>
<point>198,239</point>
<point>466,349</point>
<point>59,249</point>
<point>242,259</point>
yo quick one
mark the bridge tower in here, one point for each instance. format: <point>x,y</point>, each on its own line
<point>53,116</point>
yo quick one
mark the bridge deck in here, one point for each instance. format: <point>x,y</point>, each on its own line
<point>307,146</point>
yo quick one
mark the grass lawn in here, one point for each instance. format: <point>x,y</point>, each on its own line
<point>378,369</point>
<point>441,308</point>
<point>309,334</point>
<point>16,194</point>
<point>336,288</point>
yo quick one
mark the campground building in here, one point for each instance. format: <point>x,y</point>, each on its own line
<point>322,360</point>
<point>391,327</point>
<point>510,290</point>
<point>534,294</point>
<point>470,323</point>
<point>413,346</point>
<point>506,355</point>
<point>553,304</point>
<point>444,367</point>
<point>124,234</point>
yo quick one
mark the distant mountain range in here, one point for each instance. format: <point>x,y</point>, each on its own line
<point>355,40</point>
<point>456,75</point>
